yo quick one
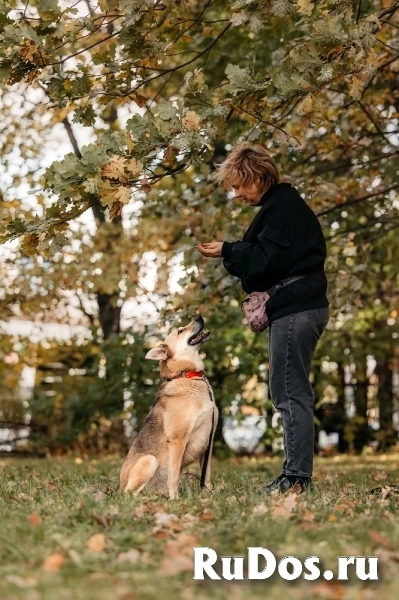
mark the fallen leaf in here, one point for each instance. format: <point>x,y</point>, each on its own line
<point>385,491</point>
<point>53,562</point>
<point>34,519</point>
<point>378,538</point>
<point>284,507</point>
<point>96,543</point>
<point>307,516</point>
<point>21,582</point>
<point>329,590</point>
<point>101,519</point>
<point>161,535</point>
<point>207,515</point>
<point>260,509</point>
<point>162,518</point>
<point>131,556</point>
<point>75,557</point>
<point>178,555</point>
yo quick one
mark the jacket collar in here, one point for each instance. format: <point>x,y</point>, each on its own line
<point>270,192</point>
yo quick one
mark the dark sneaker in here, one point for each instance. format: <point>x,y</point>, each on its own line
<point>284,483</point>
<point>272,485</point>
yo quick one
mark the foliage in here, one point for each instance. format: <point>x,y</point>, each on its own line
<point>322,60</point>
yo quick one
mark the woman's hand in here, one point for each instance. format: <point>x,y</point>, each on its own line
<point>210,249</point>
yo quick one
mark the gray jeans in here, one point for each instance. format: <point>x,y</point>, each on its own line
<point>292,342</point>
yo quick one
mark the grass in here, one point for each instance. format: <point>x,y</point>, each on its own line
<point>67,533</point>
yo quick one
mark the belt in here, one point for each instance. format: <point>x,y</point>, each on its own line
<point>283,283</point>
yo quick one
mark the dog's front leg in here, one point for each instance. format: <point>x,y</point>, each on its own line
<point>177,447</point>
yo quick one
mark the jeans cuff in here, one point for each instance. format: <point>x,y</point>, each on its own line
<point>297,474</point>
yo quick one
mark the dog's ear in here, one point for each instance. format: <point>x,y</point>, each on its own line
<point>161,352</point>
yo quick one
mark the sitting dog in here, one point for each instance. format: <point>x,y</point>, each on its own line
<point>180,426</point>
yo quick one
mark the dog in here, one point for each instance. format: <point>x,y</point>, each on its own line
<point>181,424</point>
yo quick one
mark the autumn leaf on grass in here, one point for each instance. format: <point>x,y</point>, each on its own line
<point>144,509</point>
<point>191,120</point>
<point>34,519</point>
<point>378,538</point>
<point>53,562</point>
<point>260,509</point>
<point>101,519</point>
<point>285,506</point>
<point>97,542</point>
<point>178,555</point>
<point>131,556</point>
<point>330,590</point>
<point>165,521</point>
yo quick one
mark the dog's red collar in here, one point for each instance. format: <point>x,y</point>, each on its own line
<point>189,375</point>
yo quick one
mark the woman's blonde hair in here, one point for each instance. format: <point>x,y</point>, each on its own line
<point>247,164</point>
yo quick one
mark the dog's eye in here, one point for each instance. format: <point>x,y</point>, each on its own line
<point>179,331</point>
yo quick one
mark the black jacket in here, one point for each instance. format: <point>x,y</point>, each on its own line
<point>284,239</point>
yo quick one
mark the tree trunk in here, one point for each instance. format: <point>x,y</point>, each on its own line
<point>387,434</point>
<point>362,428</point>
<point>108,310</point>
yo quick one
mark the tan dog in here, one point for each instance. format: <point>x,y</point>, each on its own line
<point>182,422</point>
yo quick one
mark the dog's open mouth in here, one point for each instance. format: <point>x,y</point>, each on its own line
<point>199,338</point>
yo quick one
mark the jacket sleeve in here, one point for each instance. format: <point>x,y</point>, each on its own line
<point>269,255</point>
<point>226,262</point>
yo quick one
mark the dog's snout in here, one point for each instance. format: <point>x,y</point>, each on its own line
<point>199,320</point>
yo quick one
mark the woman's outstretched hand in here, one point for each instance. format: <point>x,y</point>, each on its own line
<point>210,249</point>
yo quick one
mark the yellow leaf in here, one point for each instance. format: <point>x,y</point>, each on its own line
<point>306,105</point>
<point>305,7</point>
<point>114,169</point>
<point>134,167</point>
<point>53,562</point>
<point>191,120</point>
<point>356,88</point>
<point>97,542</point>
<point>107,192</point>
<point>123,195</point>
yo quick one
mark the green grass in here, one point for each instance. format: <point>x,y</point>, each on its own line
<point>53,507</point>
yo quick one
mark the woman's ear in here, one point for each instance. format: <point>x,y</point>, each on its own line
<point>161,352</point>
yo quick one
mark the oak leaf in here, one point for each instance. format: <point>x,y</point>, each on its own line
<point>285,506</point>
<point>134,167</point>
<point>114,169</point>
<point>191,120</point>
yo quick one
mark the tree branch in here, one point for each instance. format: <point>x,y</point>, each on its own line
<point>357,200</point>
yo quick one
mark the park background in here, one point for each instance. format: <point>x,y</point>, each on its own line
<point>113,116</point>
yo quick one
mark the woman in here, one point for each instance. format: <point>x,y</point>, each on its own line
<point>284,241</point>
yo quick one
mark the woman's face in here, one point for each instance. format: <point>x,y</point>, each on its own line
<point>250,193</point>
